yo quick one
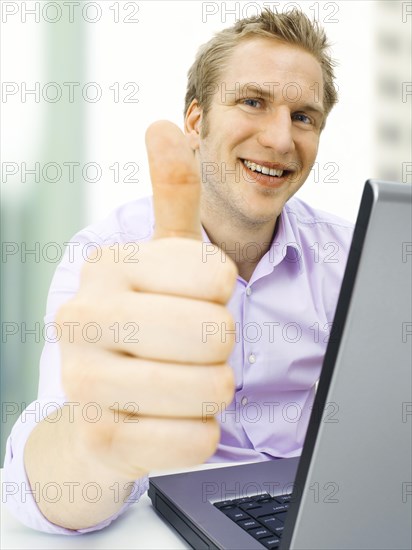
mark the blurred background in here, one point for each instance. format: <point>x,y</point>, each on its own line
<point>81,81</point>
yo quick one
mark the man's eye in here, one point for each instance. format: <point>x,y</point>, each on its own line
<point>251,102</point>
<point>302,118</point>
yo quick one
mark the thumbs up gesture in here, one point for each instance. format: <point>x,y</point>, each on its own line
<point>175,182</point>
<point>153,389</point>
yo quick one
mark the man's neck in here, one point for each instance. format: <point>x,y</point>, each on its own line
<point>245,246</point>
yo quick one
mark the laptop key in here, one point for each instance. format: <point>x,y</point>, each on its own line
<point>247,524</point>
<point>285,506</point>
<point>260,533</point>
<point>235,514</point>
<point>280,507</point>
<point>242,500</point>
<point>271,542</point>
<point>282,516</point>
<point>264,497</point>
<point>249,506</point>
<point>273,524</point>
<point>267,509</point>
<point>223,504</point>
<point>284,498</point>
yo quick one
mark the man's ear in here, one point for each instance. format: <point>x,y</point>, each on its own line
<point>193,122</point>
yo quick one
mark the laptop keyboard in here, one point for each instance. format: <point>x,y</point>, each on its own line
<point>262,516</point>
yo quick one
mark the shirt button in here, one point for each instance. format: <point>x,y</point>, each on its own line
<point>244,400</point>
<point>252,358</point>
<point>248,291</point>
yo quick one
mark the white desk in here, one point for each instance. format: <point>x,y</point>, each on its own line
<point>139,528</point>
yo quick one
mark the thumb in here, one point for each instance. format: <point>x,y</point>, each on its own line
<point>175,177</point>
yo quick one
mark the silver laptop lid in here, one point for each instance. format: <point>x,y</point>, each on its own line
<point>356,487</point>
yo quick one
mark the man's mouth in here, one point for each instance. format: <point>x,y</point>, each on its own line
<point>263,169</point>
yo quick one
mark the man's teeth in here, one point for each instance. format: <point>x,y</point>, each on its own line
<point>263,169</point>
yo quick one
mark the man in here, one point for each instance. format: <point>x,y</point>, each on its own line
<point>194,330</point>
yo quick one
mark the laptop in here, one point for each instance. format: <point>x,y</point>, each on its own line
<point>352,486</point>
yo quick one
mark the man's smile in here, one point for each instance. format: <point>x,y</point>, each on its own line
<point>267,168</point>
<point>267,174</point>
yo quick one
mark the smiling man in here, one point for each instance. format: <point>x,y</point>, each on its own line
<point>260,141</point>
<point>212,301</point>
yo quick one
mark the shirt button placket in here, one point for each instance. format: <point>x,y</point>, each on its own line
<point>251,357</point>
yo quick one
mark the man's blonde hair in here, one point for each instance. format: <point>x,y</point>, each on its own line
<point>292,27</point>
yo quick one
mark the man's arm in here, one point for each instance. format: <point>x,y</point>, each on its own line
<point>166,373</point>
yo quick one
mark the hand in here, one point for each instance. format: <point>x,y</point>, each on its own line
<point>152,388</point>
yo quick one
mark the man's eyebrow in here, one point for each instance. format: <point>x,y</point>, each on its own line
<point>313,107</point>
<point>268,90</point>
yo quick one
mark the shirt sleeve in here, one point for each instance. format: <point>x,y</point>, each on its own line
<point>17,492</point>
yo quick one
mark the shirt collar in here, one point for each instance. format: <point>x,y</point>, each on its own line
<point>285,243</point>
<point>284,248</point>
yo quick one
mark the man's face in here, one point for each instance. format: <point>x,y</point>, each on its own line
<point>267,112</point>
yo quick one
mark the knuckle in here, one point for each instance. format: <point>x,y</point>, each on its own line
<point>92,265</point>
<point>68,316</point>
<point>220,340</point>
<point>224,281</point>
<point>210,438</point>
<point>223,384</point>
<point>78,377</point>
<point>74,311</point>
<point>228,321</point>
<point>226,334</point>
<point>229,385</point>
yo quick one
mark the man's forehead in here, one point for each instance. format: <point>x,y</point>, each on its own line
<point>267,58</point>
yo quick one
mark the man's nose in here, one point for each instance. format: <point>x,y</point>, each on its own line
<point>276,131</point>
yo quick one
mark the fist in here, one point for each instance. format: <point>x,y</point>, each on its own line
<point>153,388</point>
